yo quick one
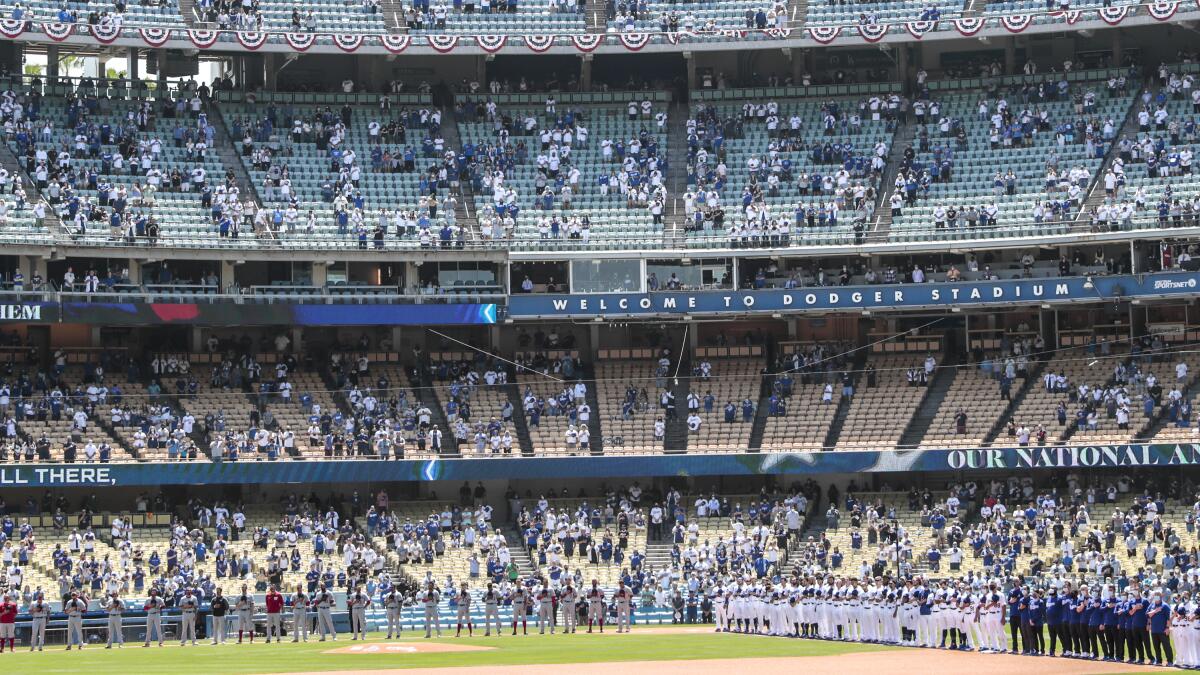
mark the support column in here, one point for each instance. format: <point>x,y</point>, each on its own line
<point>902,66</point>
<point>228,274</point>
<point>52,64</point>
<point>797,57</point>
<point>320,274</point>
<point>1010,55</point>
<point>135,271</point>
<point>134,68</point>
<point>693,340</point>
<point>270,71</point>
<point>481,72</point>
<point>585,73</point>
<point>690,58</point>
<point>1117,49</point>
<point>160,57</point>
<point>412,278</point>
<point>594,342</point>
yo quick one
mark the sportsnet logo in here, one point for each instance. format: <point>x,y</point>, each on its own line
<point>1170,284</point>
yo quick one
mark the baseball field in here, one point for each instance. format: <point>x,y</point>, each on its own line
<point>651,650</point>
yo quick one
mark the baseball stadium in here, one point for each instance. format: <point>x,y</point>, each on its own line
<point>683,336</point>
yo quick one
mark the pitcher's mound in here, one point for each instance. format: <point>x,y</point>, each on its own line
<point>407,648</point>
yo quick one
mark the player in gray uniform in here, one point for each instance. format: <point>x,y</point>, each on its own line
<point>115,608</point>
<point>393,604</point>
<point>520,601</point>
<point>464,611</point>
<point>188,605</point>
<point>324,604</point>
<point>491,611</point>
<point>39,613</point>
<point>545,600</point>
<point>567,599</point>
<point>299,614</point>
<point>74,608</point>
<point>154,607</point>
<point>624,599</point>
<point>595,598</point>
<point>430,600</point>
<point>244,606</point>
<point>357,604</point>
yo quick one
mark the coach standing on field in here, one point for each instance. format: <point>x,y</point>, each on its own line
<point>220,607</point>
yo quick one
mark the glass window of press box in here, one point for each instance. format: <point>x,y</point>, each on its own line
<point>606,276</point>
<point>689,275</point>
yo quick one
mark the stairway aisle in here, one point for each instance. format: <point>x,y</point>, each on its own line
<point>931,402</point>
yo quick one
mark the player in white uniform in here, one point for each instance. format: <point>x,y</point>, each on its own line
<point>324,604</point>
<point>244,606</point>
<point>430,600</point>
<point>188,605</point>
<point>154,607</point>
<point>115,608</point>
<point>74,608</point>
<point>624,599</point>
<point>39,613</point>
<point>545,603</point>
<point>300,614</point>
<point>358,604</point>
<point>393,604</point>
<point>463,599</point>
<point>595,598</point>
<point>567,599</point>
<point>520,604</point>
<point>491,611</point>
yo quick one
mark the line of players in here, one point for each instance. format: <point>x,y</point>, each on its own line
<point>536,597</point>
<point>1101,623</point>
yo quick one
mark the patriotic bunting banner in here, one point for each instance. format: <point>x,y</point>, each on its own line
<point>301,41</point>
<point>540,43</point>
<point>105,34</point>
<point>203,38</point>
<point>443,43</point>
<point>348,43</point>
<point>1113,15</point>
<point>58,31</point>
<point>635,41</point>
<point>1015,23</point>
<point>918,29</point>
<point>1163,9</point>
<point>969,26</point>
<point>780,33</point>
<point>395,43</point>
<point>155,37</point>
<point>1070,15</point>
<point>11,28</point>
<point>824,34</point>
<point>491,43</point>
<point>873,32</point>
<point>589,42</point>
<point>251,41</point>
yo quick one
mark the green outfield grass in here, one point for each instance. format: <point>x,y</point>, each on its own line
<point>205,659</point>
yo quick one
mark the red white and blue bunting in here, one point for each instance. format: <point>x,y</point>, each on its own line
<point>58,31</point>
<point>300,41</point>
<point>491,43</point>
<point>1159,10</point>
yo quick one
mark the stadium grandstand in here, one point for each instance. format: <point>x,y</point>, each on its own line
<point>448,305</point>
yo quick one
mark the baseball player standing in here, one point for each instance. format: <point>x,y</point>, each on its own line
<point>545,601</point>
<point>464,612</point>
<point>595,598</point>
<point>220,607</point>
<point>520,601</point>
<point>430,600</point>
<point>8,623</point>
<point>324,604</point>
<point>567,600</point>
<point>115,608</point>
<point>274,602</point>
<point>357,604</point>
<point>624,598</point>
<point>153,607</point>
<point>393,604</point>
<point>188,605</point>
<point>75,607</point>
<point>244,606</point>
<point>299,614</point>
<point>491,611</point>
<point>39,612</point>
